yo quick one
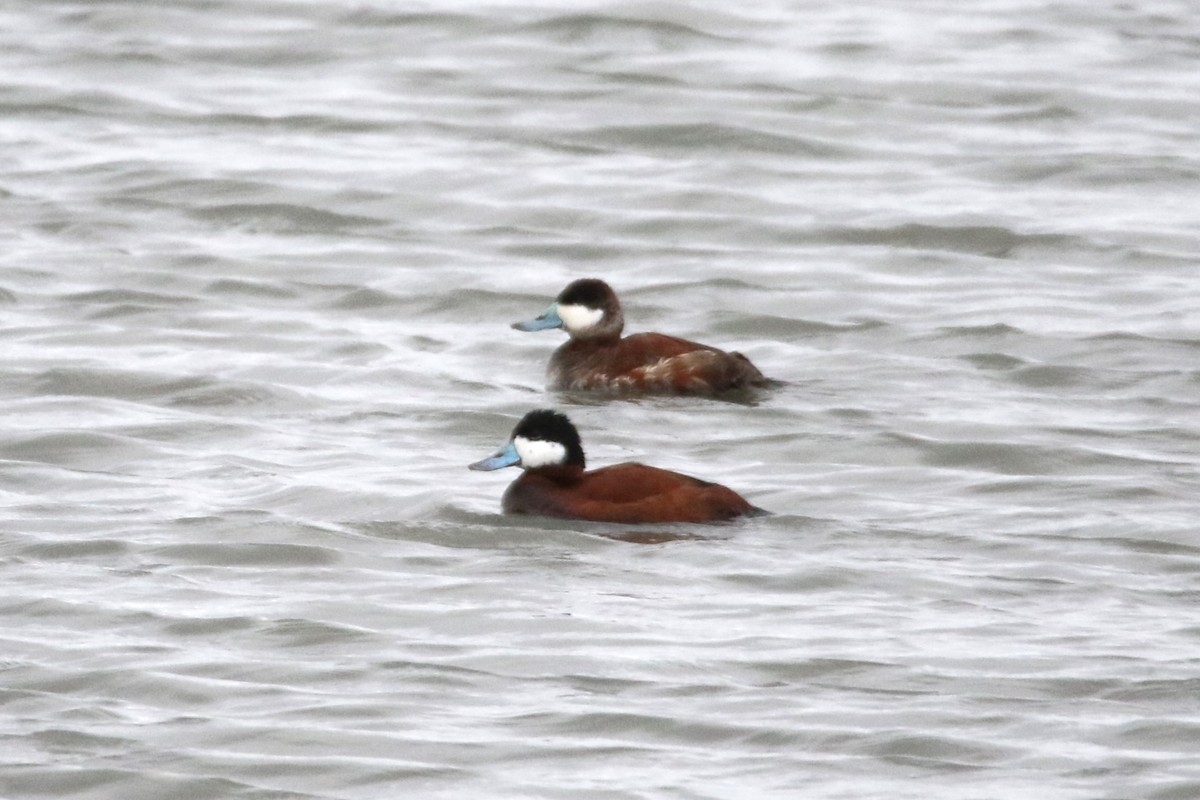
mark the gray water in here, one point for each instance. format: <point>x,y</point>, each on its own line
<point>259,260</point>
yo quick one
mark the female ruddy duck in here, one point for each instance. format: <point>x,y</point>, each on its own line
<point>546,445</point>
<point>597,359</point>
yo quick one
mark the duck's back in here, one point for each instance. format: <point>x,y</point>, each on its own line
<point>650,362</point>
<point>626,493</point>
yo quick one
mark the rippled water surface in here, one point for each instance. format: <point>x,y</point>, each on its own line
<point>259,265</point>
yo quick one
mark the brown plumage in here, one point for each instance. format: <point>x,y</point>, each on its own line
<point>597,358</point>
<point>555,482</point>
<point>627,493</point>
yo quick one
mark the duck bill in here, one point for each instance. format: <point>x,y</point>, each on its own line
<point>547,319</point>
<point>504,457</point>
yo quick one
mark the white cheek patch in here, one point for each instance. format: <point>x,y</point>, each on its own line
<point>536,453</point>
<point>579,318</point>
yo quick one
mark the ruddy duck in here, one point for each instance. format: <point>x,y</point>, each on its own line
<point>596,358</point>
<point>546,445</point>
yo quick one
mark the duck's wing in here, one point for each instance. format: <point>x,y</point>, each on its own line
<point>667,363</point>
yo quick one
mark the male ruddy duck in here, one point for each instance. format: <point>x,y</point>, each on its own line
<point>546,445</point>
<point>596,358</point>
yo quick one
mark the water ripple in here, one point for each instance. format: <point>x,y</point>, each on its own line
<point>256,296</point>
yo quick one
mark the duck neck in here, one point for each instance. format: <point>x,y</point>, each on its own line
<point>564,474</point>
